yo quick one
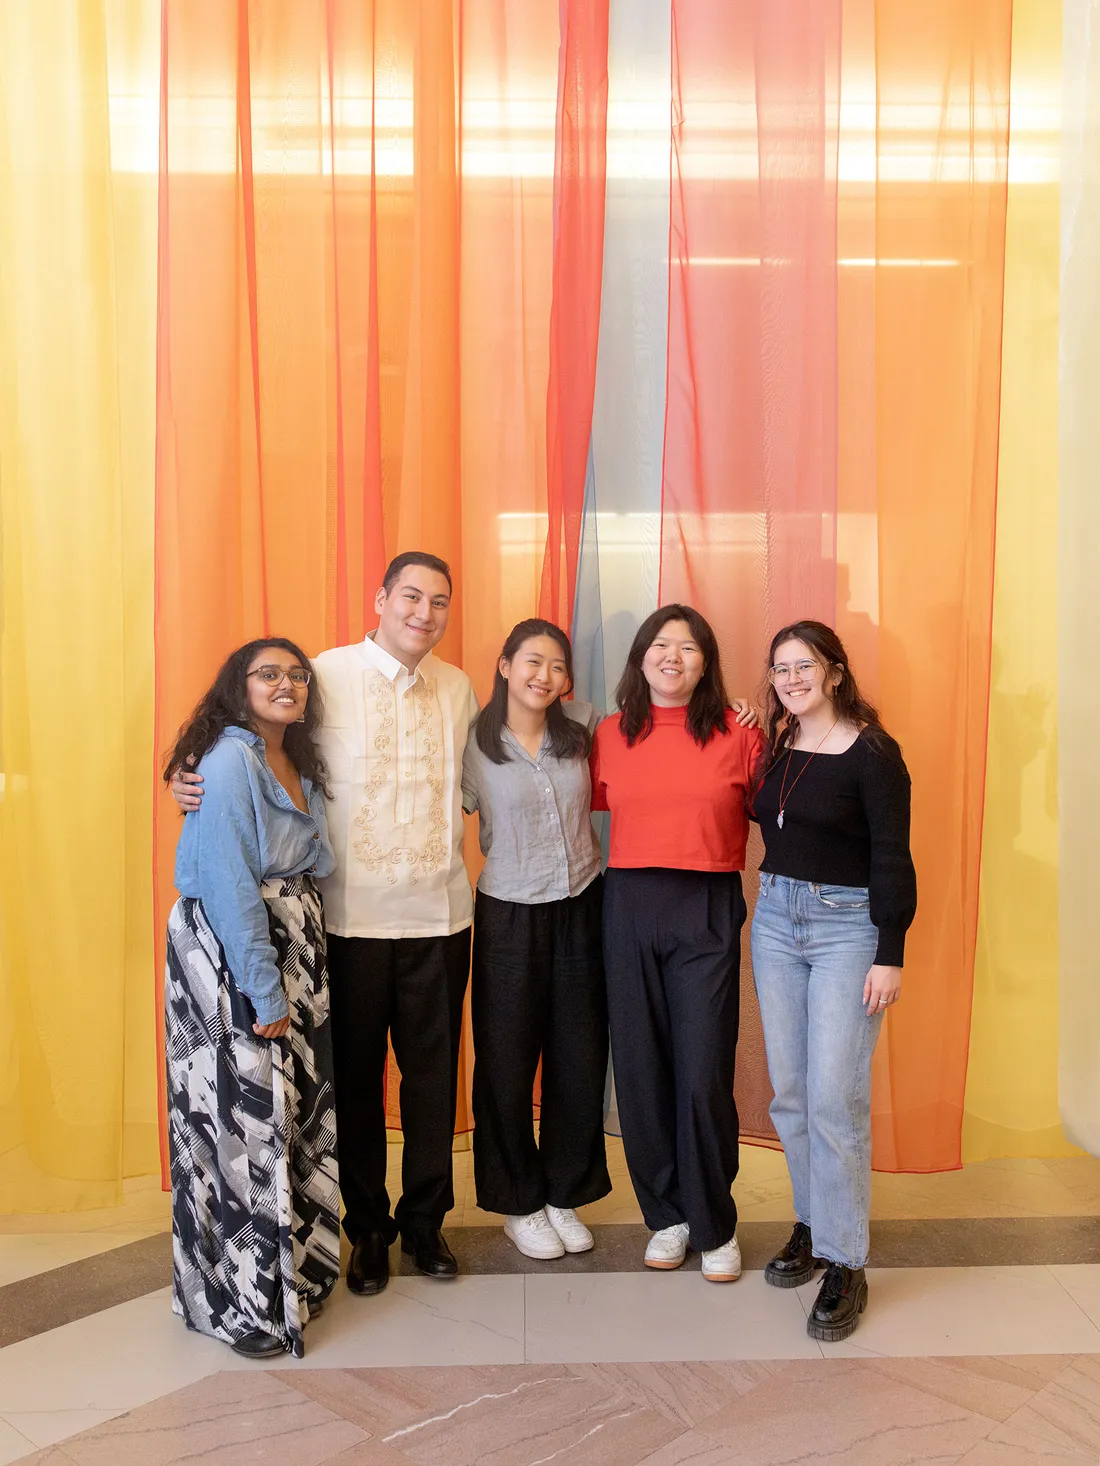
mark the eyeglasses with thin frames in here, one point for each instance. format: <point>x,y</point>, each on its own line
<point>782,673</point>
<point>273,675</point>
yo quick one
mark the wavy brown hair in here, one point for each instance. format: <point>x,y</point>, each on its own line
<point>706,713</point>
<point>568,738</point>
<point>225,705</point>
<point>827,649</point>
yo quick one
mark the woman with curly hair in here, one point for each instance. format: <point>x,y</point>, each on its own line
<point>251,1127</point>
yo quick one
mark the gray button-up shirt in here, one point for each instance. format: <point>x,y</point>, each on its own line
<point>535,815</point>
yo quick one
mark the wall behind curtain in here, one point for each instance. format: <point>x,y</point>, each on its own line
<point>77,329</point>
<point>1079,573</point>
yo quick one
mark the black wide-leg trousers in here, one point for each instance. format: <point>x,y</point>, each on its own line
<point>409,989</point>
<point>672,955</point>
<point>538,989</point>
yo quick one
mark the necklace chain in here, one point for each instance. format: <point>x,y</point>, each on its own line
<point>784,794</point>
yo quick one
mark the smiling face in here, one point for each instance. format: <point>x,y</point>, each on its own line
<point>412,616</point>
<point>537,675</point>
<point>275,700</point>
<point>673,665</point>
<point>802,684</point>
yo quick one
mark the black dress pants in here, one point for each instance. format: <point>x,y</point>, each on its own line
<point>538,988</point>
<point>411,990</point>
<point>672,953</point>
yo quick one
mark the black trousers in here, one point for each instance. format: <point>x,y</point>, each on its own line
<point>410,990</point>
<point>538,988</point>
<point>672,953</point>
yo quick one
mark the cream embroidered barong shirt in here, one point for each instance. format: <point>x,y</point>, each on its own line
<point>393,742</point>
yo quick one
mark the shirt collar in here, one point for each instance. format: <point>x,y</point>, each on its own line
<point>389,666</point>
<point>246,735</point>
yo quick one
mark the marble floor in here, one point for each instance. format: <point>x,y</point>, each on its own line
<point>981,1343</point>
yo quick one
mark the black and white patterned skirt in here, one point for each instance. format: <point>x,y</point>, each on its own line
<point>251,1129</point>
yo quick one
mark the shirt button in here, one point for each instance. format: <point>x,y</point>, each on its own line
<point>549,790</point>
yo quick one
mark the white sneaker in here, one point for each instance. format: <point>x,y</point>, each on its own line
<point>668,1247</point>
<point>533,1235</point>
<point>574,1235</point>
<point>723,1265</point>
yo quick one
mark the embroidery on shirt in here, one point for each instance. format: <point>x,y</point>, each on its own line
<point>432,852</point>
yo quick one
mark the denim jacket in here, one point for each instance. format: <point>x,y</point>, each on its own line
<point>247,831</point>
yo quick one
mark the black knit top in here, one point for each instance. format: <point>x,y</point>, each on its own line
<point>846,823</point>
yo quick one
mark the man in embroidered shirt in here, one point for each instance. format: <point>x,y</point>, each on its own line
<point>398,910</point>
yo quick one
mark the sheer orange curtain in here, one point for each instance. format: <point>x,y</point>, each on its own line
<point>942,120</point>
<point>749,490</point>
<point>356,276</point>
<point>836,272</point>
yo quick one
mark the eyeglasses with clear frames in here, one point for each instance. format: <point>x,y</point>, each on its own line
<point>783,673</point>
<point>273,675</point>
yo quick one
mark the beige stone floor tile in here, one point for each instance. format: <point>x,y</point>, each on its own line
<point>14,1445</point>
<point>1081,1176</point>
<point>582,1417</point>
<point>996,1453</point>
<point>1063,1416</point>
<point>1015,1188</point>
<point>990,1386</point>
<point>381,1401</point>
<point>686,1392</point>
<point>369,1453</point>
<point>844,1414</point>
<point>221,1420</point>
<point>50,1456</point>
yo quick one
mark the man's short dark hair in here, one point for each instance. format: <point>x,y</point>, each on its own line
<point>397,567</point>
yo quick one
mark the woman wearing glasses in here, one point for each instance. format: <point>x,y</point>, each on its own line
<point>251,1128</point>
<point>837,895</point>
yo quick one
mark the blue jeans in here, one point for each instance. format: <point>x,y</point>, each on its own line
<point>812,947</point>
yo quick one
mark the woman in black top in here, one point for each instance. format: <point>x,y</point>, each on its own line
<point>837,895</point>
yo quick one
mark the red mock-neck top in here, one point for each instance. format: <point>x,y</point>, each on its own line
<point>672,803</point>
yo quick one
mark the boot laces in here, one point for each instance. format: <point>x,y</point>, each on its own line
<point>832,1286</point>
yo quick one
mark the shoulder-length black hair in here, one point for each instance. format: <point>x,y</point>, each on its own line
<point>568,738</point>
<point>225,705</point>
<point>706,713</point>
<point>826,648</point>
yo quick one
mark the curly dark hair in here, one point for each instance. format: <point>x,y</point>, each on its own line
<point>225,705</point>
<point>706,714</point>
<point>827,649</point>
<point>568,738</point>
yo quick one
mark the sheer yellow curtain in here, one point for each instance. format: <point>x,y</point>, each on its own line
<point>1012,1079</point>
<point>77,336</point>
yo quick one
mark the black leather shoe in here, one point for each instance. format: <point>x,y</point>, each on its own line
<point>794,1264</point>
<point>841,1299</point>
<point>430,1252</point>
<point>369,1264</point>
<point>257,1345</point>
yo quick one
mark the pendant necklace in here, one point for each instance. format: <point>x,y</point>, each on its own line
<point>784,793</point>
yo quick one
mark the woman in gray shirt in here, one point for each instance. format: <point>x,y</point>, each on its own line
<point>538,985</point>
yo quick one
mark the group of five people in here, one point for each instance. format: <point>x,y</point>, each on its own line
<point>353,771</point>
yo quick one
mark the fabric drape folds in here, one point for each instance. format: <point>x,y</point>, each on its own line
<point>78,1105</point>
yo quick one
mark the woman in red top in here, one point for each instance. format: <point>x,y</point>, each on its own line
<point>674,768</point>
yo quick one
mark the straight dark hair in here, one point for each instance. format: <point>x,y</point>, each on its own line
<point>225,705</point>
<point>827,649</point>
<point>409,558</point>
<point>706,713</point>
<point>568,738</point>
